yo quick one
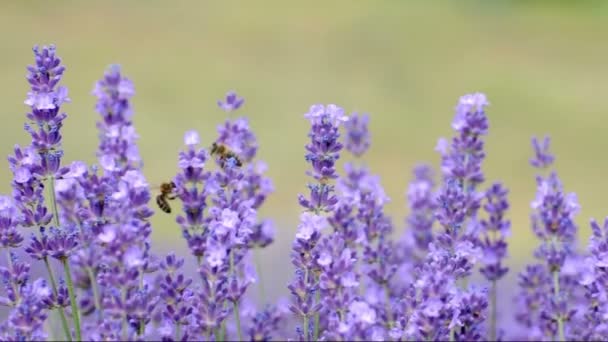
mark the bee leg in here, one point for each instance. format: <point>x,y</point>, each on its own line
<point>172,197</point>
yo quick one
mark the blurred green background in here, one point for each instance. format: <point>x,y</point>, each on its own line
<point>542,64</point>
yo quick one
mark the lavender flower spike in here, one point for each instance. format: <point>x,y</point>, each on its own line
<point>542,157</point>
<point>422,205</point>
<point>231,103</point>
<point>322,153</point>
<point>495,229</point>
<point>357,134</point>
<point>118,150</point>
<point>45,100</point>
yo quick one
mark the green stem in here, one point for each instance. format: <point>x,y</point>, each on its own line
<point>452,334</point>
<point>560,319</point>
<point>125,327</point>
<point>305,320</point>
<point>258,265</point>
<point>389,313</point>
<point>142,322</point>
<point>95,293</point>
<point>493,311</point>
<point>237,314</point>
<point>64,321</point>
<point>315,335</point>
<point>237,317</point>
<point>75,312</point>
<point>177,331</point>
<point>53,201</point>
<point>224,331</point>
<point>53,205</point>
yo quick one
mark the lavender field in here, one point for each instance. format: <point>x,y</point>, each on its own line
<point>361,173</point>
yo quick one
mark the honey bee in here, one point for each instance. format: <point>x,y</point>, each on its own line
<point>224,154</point>
<point>166,194</point>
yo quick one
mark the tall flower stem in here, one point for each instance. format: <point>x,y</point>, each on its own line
<point>237,314</point>
<point>389,313</point>
<point>237,317</point>
<point>258,266</point>
<point>53,201</point>
<point>75,312</point>
<point>305,319</point>
<point>493,311</point>
<point>64,321</point>
<point>560,319</point>
<point>96,297</point>
<point>317,318</point>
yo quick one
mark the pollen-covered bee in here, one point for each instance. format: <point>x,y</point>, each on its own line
<point>225,155</point>
<point>166,194</point>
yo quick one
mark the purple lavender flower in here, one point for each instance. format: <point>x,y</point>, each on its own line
<point>593,277</point>
<point>175,294</point>
<point>237,135</point>
<point>535,290</point>
<point>422,206</point>
<point>471,308</point>
<point>9,219</point>
<point>492,241</point>
<point>553,221</point>
<point>28,187</point>
<point>25,322</point>
<point>542,157</point>
<point>118,150</point>
<point>338,281</point>
<point>463,159</point>
<point>110,208</point>
<point>357,139</point>
<point>496,229</point>
<point>45,100</point>
<point>322,153</point>
<point>266,323</point>
<point>231,103</point>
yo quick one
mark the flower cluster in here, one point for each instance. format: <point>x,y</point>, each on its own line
<point>352,281</point>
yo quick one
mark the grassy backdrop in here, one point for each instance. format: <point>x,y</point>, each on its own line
<point>542,64</point>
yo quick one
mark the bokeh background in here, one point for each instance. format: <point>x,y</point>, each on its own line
<point>543,65</point>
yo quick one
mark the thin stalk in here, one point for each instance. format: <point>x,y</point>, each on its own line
<point>224,331</point>
<point>64,320</point>
<point>237,316</point>
<point>305,320</point>
<point>389,313</point>
<point>142,322</point>
<point>560,319</point>
<point>53,201</point>
<point>452,334</point>
<point>96,297</point>
<point>75,312</point>
<point>177,331</point>
<point>258,266</point>
<point>315,335</point>
<point>493,308</point>
<point>53,205</point>
<point>125,327</point>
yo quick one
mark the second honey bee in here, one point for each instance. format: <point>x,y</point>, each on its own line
<point>225,155</point>
<point>166,194</point>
